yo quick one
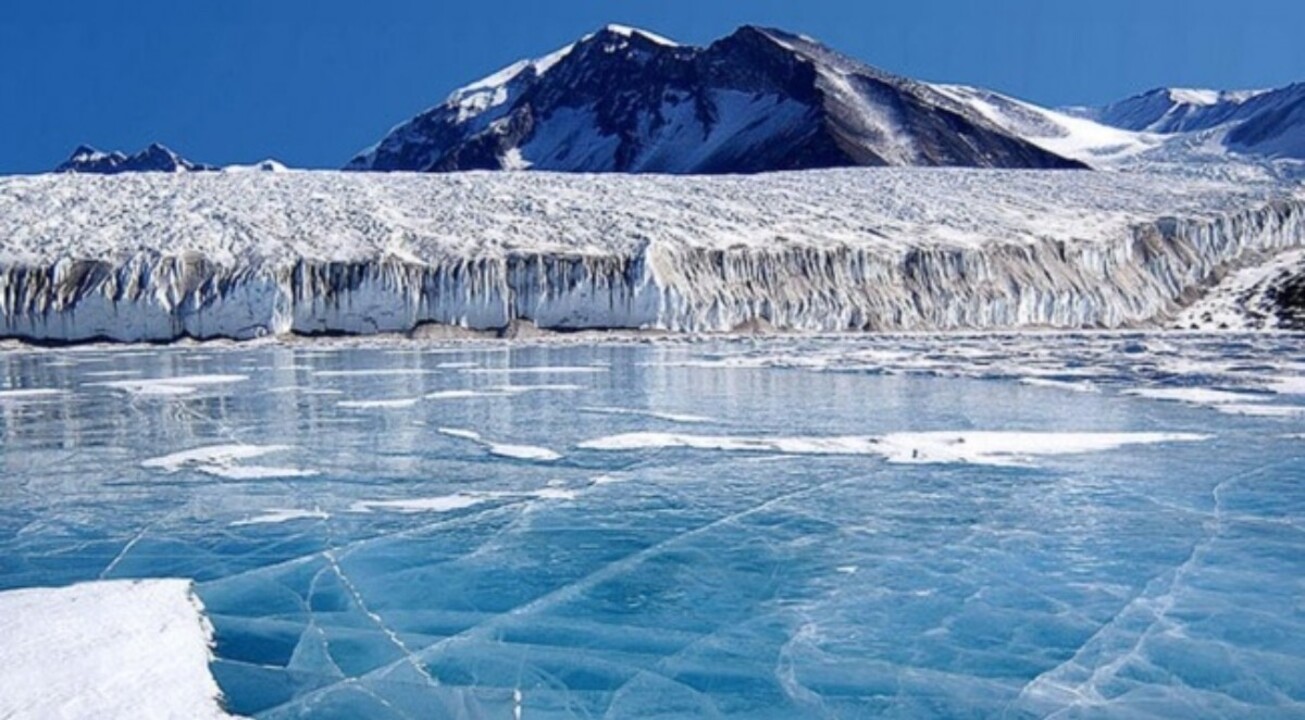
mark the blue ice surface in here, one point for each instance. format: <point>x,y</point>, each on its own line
<point>1162,580</point>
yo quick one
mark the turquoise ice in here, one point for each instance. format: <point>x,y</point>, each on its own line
<point>773,529</point>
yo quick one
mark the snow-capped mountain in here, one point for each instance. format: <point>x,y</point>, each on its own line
<point>268,165</point>
<point>625,100</point>
<point>1268,123</point>
<point>155,158</point>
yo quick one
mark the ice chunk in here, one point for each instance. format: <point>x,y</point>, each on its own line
<point>657,415</point>
<point>1083,386</point>
<point>540,370</point>
<point>391,404</point>
<point>211,456</point>
<point>1194,395</point>
<point>113,649</point>
<point>182,385</point>
<point>1262,410</point>
<point>1012,448</point>
<point>442,503</point>
<point>458,394</point>
<point>509,450</point>
<point>254,472</point>
<point>459,501</point>
<point>29,394</point>
<point>1288,385</point>
<point>276,516</point>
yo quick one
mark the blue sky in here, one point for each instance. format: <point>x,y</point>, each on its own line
<point>312,81</point>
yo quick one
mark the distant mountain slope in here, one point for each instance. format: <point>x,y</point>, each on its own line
<point>624,100</point>
<point>1268,123</point>
<point>155,158</point>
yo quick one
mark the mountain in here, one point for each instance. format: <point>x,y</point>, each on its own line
<point>155,158</point>
<point>625,100</point>
<point>1269,123</point>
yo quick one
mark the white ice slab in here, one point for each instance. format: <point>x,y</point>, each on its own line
<point>655,414</point>
<point>129,649</point>
<point>277,516</point>
<point>211,456</point>
<point>1195,395</point>
<point>171,386</point>
<point>390,404</point>
<point>508,450</point>
<point>982,448</point>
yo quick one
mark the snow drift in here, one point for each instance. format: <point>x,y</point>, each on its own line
<point>155,257</point>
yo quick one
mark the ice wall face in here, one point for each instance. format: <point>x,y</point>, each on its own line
<point>254,255</point>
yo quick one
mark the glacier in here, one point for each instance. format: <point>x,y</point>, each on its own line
<point>245,255</point>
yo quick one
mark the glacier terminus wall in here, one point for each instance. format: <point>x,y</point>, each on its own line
<point>216,255</point>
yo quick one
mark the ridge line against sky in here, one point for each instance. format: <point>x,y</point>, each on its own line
<point>310,82</point>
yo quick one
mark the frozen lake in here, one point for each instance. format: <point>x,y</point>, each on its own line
<point>1022,526</point>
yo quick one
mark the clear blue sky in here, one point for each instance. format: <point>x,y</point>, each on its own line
<point>312,81</point>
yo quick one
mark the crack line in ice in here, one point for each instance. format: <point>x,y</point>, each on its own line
<point>352,545</point>
<point>380,623</point>
<point>123,552</point>
<point>570,590</point>
<point>1071,696</point>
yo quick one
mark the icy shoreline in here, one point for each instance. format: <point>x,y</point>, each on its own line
<point>243,257</point>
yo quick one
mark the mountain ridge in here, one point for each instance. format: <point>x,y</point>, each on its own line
<point>759,99</point>
<point>154,158</point>
<point>1266,123</point>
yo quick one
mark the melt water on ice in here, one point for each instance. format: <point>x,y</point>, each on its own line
<point>984,526</point>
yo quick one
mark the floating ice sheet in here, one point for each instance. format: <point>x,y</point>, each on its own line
<point>984,448</point>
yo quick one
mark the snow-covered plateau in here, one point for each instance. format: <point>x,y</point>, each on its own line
<point>156,257</point>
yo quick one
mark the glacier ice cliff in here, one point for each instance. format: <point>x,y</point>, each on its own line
<point>155,258</point>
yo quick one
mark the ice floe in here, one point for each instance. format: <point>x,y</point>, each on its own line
<point>441,503</point>
<point>1195,395</point>
<point>459,501</point>
<point>276,516</point>
<point>112,649</point>
<point>1283,411</point>
<point>255,472</point>
<point>391,372</point>
<point>983,448</point>
<point>655,414</point>
<point>508,450</point>
<point>171,386</point>
<point>390,404</point>
<point>221,461</point>
<point>1082,386</point>
<point>540,370</point>
<point>24,394</point>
